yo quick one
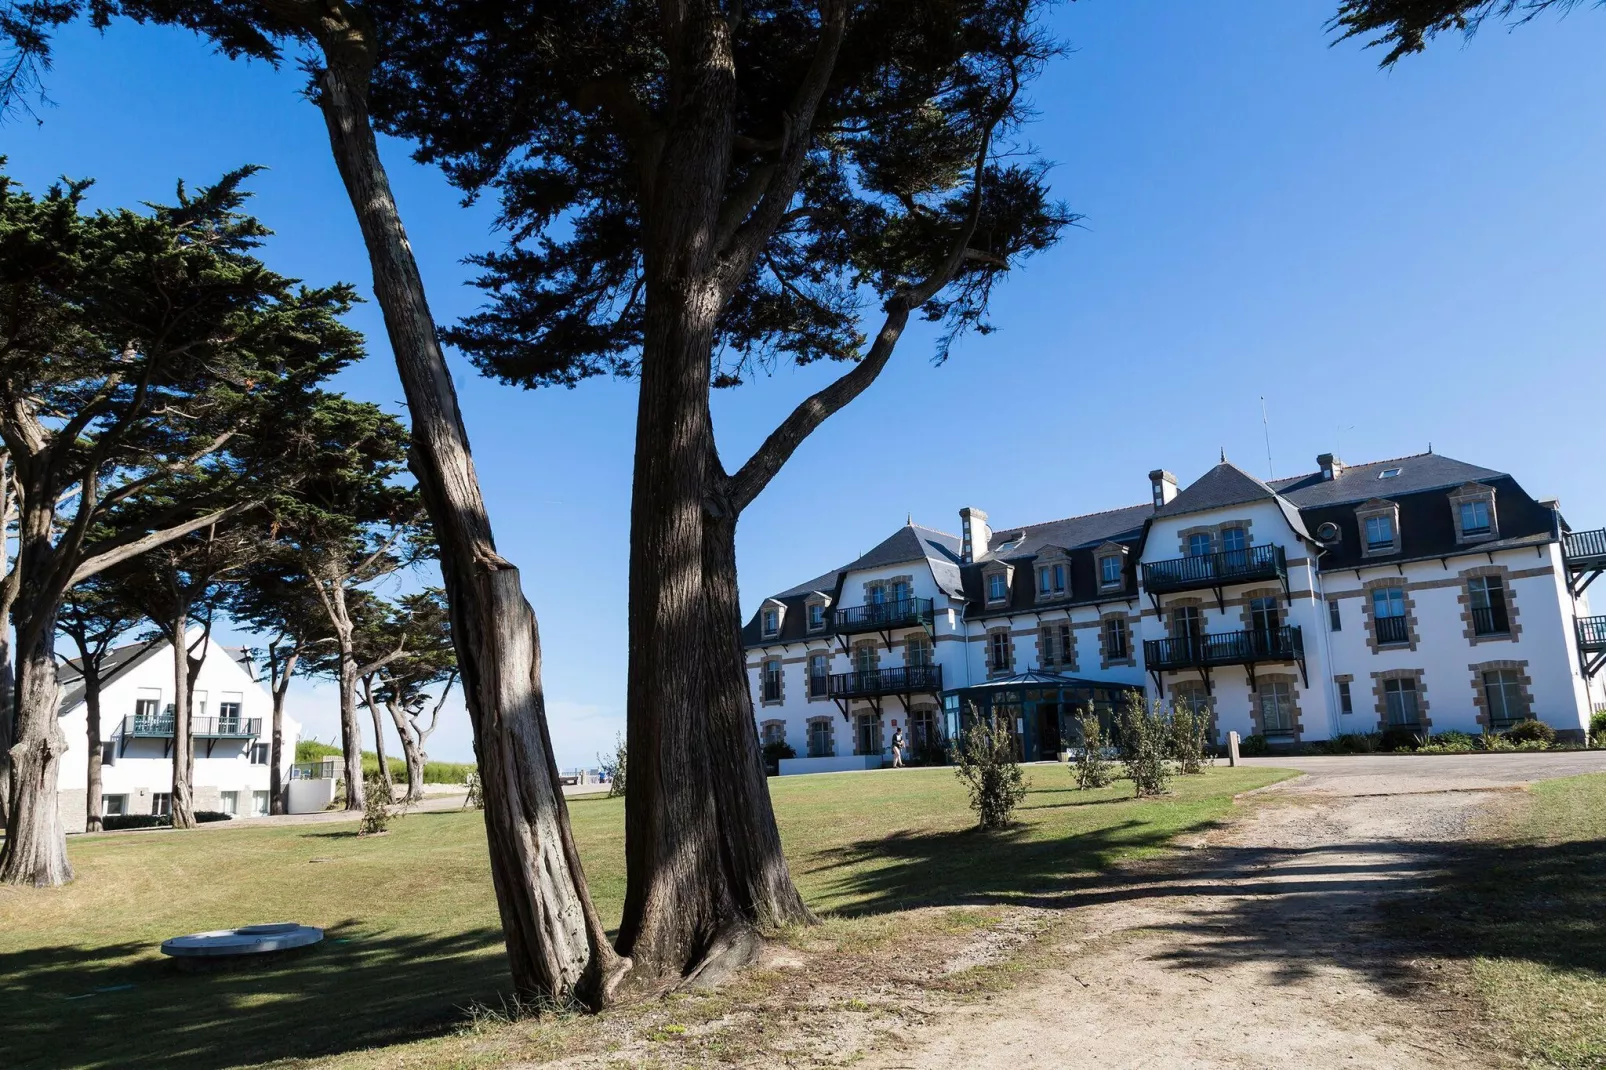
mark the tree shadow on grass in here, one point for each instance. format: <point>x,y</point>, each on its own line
<point>119,1005</point>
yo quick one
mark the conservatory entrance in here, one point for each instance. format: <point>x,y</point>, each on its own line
<point>1037,708</point>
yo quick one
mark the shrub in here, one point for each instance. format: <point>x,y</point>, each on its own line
<point>931,748</point>
<point>985,761</point>
<point>1398,739</point>
<point>774,752</point>
<point>1352,743</point>
<point>1448,743</point>
<point>1145,740</point>
<point>1089,766</point>
<point>1188,739</point>
<point>376,813</point>
<point>613,770</point>
<point>1531,731</point>
<point>1597,728</point>
<point>119,822</point>
<point>1254,746</point>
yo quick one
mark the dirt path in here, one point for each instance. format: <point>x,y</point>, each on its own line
<point>1263,946</point>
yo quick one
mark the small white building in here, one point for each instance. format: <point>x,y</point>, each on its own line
<point>231,725</point>
<point>1421,593</point>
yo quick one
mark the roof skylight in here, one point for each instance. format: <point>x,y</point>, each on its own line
<point>1389,473</point>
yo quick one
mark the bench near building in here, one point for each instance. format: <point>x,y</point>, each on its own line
<point>231,725</point>
<point>1422,593</point>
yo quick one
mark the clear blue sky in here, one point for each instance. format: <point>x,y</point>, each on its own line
<point>1391,259</point>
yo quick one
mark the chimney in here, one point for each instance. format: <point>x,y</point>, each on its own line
<point>974,534</point>
<point>1331,466</point>
<point>1164,485</point>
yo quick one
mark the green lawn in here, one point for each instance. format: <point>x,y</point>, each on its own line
<point>411,918</point>
<point>1525,908</point>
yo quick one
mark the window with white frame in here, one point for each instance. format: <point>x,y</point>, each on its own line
<point>900,591</point>
<point>771,676</point>
<point>998,658</point>
<point>816,616</point>
<point>1234,539</point>
<point>198,704</point>
<point>1047,646</point>
<point>820,738</point>
<point>1475,518</point>
<point>259,754</point>
<point>259,804</point>
<point>1380,532</point>
<point>774,733</point>
<point>1067,649</point>
<point>1388,615</point>
<point>1489,613</point>
<point>229,802</point>
<point>161,803</point>
<point>1502,692</point>
<point>1276,708</point>
<point>772,621</point>
<point>1109,571</point>
<point>1199,544</point>
<point>113,805</point>
<point>819,674</point>
<point>997,587</point>
<point>1345,702</point>
<point>917,650</point>
<point>1051,580</point>
<point>1117,639</point>
<point>1335,617</point>
<point>1401,703</point>
<point>228,711</point>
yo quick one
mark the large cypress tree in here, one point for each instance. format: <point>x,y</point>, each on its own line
<point>1406,26</point>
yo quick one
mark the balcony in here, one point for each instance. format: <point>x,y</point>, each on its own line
<point>1224,648</point>
<point>1591,644</point>
<point>883,616</point>
<point>1215,571</point>
<point>160,726</point>
<point>1392,630</point>
<point>1585,555</point>
<point>874,683</point>
<point>1486,621</point>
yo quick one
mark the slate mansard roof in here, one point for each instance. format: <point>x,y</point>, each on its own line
<point>1419,486</point>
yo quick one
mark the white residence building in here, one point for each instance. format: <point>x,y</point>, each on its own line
<point>231,725</point>
<point>1421,593</point>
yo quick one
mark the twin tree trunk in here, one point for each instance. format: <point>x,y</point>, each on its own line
<point>412,750</point>
<point>379,754</point>
<point>556,943</point>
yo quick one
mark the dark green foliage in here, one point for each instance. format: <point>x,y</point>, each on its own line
<point>376,808</point>
<point>1145,742</point>
<point>1530,731</point>
<point>1449,743</point>
<point>1597,728</point>
<point>985,762</point>
<point>931,749</point>
<point>774,752</point>
<point>614,769</point>
<point>1089,766</point>
<point>311,750</point>
<point>1406,26</point>
<point>1189,742</point>
<point>1400,739</point>
<point>1351,743</point>
<point>1254,746</point>
<point>119,822</point>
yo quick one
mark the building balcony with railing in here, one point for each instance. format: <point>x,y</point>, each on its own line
<point>880,616</point>
<point>873,683</point>
<point>1488,620</point>
<point>1391,630</point>
<point>1586,548</point>
<point>1592,634</point>
<point>1224,648</point>
<point>160,726</point>
<point>1250,565</point>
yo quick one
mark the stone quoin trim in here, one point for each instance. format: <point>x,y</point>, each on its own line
<point>1246,613</point>
<point>763,672</point>
<point>830,729</point>
<point>1047,558</point>
<point>1469,629</point>
<point>1480,697</point>
<point>1009,646</point>
<point>1474,492</point>
<point>1131,622</point>
<point>1171,616</point>
<point>855,663</point>
<point>1371,625</point>
<point>1292,680</point>
<point>765,729</point>
<point>1060,635</point>
<point>880,729</point>
<point>1424,722</point>
<point>825,695</point>
<point>1378,507</point>
<point>1214,531</point>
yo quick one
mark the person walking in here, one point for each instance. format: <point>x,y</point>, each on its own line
<point>897,749</point>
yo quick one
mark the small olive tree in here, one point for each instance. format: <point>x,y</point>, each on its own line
<point>1145,741</point>
<point>985,761</point>
<point>1090,767</point>
<point>613,769</point>
<point>1190,737</point>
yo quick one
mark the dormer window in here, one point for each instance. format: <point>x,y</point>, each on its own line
<point>1379,522</point>
<point>1474,512</point>
<point>816,616</point>
<point>1109,571</point>
<point>1051,580</point>
<point>997,587</point>
<point>772,623</point>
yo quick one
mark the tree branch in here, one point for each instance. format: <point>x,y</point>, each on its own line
<point>116,554</point>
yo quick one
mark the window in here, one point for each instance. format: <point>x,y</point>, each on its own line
<point>1345,704</point>
<point>1389,473</point>
<point>1051,580</point>
<point>1048,647</point>
<point>816,616</point>
<point>869,734</point>
<point>259,754</point>
<point>113,805</point>
<point>996,589</point>
<point>148,704</point>
<point>820,738</point>
<point>259,804</point>
<point>1276,708</point>
<point>1489,614</point>
<point>917,650</point>
<point>1265,617</point>
<point>876,594</point>
<point>922,729</point>
<point>1199,544</point>
<point>161,803</point>
<point>774,733</point>
<point>1335,618</point>
<point>1186,622</point>
<point>1379,533</point>
<point>1475,518</point>
<point>900,591</point>
<point>1400,703</point>
<point>1388,615</point>
<point>1067,645</point>
<point>1502,690</point>
<point>108,753</point>
<point>1110,571</point>
<point>1234,539</point>
<point>229,801</point>
<point>1117,642</point>
<point>198,704</point>
<point>228,713</point>
<point>772,680</point>
<point>819,675</point>
<point>998,651</point>
<point>772,622</point>
<point>864,657</point>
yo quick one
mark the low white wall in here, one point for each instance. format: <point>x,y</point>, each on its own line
<point>310,796</point>
<point>840,764</point>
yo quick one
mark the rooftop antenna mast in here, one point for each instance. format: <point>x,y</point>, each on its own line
<point>1265,424</point>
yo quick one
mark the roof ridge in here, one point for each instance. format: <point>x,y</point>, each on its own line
<point>928,527</point>
<point>1063,519</point>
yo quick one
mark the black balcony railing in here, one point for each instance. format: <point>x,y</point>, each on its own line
<point>160,726</point>
<point>1584,547</point>
<point>1490,620</point>
<point>1225,648</point>
<point>904,680</point>
<point>899,613</point>
<point>1393,629</point>
<point>1592,634</point>
<point>1266,562</point>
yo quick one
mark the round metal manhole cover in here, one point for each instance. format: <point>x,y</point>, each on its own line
<point>246,940</point>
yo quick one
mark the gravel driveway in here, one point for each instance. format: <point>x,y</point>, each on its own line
<point>1263,946</point>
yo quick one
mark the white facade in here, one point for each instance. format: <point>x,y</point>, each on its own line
<point>1423,594</point>
<point>232,731</point>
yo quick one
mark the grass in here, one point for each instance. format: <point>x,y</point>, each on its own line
<point>413,939</point>
<point>1523,908</point>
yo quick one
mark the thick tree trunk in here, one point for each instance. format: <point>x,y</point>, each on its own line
<point>36,844</point>
<point>8,697</point>
<point>183,800</point>
<point>412,751</point>
<point>556,943</point>
<point>281,686</point>
<point>350,727</point>
<point>92,720</point>
<point>761,881</point>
